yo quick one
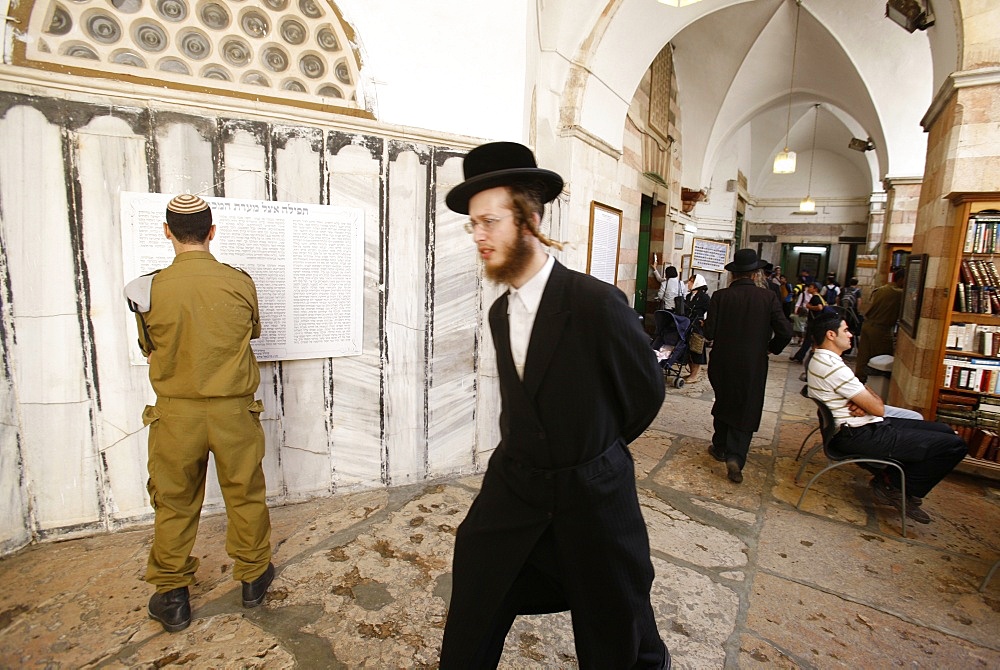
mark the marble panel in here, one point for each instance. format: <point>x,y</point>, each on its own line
<point>245,176</point>
<point>110,159</point>
<point>306,464</point>
<point>63,468</point>
<point>14,519</point>
<point>451,396</point>
<point>356,384</point>
<point>185,158</point>
<point>48,361</point>
<point>487,381</point>
<point>33,182</point>
<point>406,317</point>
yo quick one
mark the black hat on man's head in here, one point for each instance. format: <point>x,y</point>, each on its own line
<point>189,210</point>
<point>501,164</point>
<point>745,260</point>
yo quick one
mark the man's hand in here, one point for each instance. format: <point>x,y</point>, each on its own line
<point>855,410</point>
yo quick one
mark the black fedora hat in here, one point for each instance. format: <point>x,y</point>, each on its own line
<point>501,164</point>
<point>745,260</point>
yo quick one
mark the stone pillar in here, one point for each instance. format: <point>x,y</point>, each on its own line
<point>963,155</point>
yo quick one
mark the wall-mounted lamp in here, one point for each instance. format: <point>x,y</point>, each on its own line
<point>784,162</point>
<point>861,145</point>
<point>910,14</point>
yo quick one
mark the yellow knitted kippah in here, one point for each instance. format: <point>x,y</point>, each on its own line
<point>186,204</point>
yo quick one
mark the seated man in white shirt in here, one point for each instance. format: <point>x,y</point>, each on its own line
<point>927,450</point>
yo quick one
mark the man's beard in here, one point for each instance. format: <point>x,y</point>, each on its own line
<point>517,258</point>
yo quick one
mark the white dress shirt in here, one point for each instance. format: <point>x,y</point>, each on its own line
<point>522,306</point>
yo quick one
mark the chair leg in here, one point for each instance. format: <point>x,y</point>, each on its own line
<point>805,462</point>
<point>989,576</point>
<point>803,446</point>
<point>837,464</point>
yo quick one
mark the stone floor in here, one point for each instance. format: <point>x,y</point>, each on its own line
<point>743,579</point>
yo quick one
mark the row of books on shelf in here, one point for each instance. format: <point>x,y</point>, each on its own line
<point>977,289</point>
<point>976,419</point>
<point>981,237</point>
<point>971,299</point>
<point>980,428</point>
<point>968,373</point>
<point>975,338</point>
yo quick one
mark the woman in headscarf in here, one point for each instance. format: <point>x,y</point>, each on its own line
<point>696,308</point>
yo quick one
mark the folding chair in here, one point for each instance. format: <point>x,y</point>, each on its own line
<point>827,429</point>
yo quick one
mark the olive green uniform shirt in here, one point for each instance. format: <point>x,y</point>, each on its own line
<point>201,318</point>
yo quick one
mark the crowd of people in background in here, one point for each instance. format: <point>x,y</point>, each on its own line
<point>802,299</point>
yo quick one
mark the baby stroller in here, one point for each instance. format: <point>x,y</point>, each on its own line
<point>672,332</point>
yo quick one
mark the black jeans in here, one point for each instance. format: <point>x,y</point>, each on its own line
<point>927,450</point>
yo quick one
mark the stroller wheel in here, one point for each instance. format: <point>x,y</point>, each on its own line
<point>679,383</point>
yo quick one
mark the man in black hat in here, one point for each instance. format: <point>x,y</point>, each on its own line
<point>196,318</point>
<point>745,322</point>
<point>556,525</point>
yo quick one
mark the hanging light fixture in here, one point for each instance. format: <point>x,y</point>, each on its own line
<point>784,162</point>
<point>678,3</point>
<point>808,206</point>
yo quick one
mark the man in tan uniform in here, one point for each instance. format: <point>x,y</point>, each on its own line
<point>196,318</point>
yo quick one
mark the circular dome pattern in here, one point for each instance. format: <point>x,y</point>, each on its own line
<point>214,16</point>
<point>103,28</point>
<point>255,23</point>
<point>194,44</point>
<point>296,47</point>
<point>61,22</point>
<point>172,10</point>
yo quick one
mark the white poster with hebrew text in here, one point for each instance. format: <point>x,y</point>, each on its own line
<point>306,260</point>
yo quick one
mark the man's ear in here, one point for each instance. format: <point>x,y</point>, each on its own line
<point>211,233</point>
<point>166,232</point>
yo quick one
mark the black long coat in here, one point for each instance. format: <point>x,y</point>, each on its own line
<point>745,322</point>
<point>591,385</point>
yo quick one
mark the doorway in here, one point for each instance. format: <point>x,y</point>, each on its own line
<point>799,258</point>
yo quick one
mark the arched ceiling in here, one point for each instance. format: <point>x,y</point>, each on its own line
<point>733,65</point>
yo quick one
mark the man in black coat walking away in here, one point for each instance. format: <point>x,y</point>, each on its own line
<point>745,322</point>
<point>556,525</point>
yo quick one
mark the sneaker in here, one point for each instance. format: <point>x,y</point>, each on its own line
<point>887,495</point>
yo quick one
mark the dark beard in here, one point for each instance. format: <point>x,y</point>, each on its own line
<point>519,255</point>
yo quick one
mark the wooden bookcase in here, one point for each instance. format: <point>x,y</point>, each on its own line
<point>967,384</point>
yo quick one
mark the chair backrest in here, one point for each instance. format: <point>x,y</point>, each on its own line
<point>827,426</point>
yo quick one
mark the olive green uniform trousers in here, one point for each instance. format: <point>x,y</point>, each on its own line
<point>182,432</point>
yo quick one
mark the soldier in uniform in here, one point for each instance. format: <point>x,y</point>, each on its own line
<point>196,318</point>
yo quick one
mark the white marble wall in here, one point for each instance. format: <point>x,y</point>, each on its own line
<point>420,401</point>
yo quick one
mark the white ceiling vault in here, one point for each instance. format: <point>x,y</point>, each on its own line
<point>733,64</point>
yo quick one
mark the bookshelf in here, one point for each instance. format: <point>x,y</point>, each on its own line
<point>967,386</point>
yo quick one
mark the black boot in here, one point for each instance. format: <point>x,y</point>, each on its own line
<point>171,609</point>
<point>254,592</point>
